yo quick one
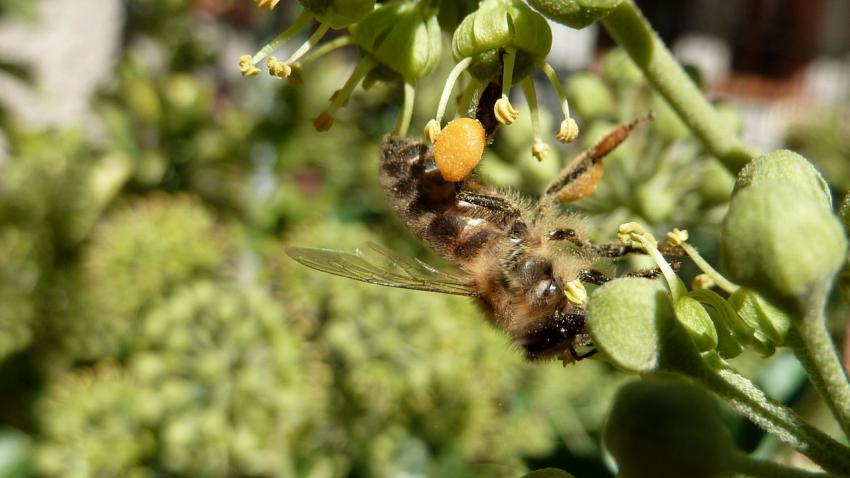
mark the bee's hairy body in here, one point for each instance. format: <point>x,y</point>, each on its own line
<point>500,242</point>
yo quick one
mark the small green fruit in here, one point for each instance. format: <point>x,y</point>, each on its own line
<point>786,167</point>
<point>628,320</point>
<point>780,241</point>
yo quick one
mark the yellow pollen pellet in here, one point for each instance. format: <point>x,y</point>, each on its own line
<point>459,148</point>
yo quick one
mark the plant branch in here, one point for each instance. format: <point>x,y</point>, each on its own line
<point>815,350</point>
<point>631,31</point>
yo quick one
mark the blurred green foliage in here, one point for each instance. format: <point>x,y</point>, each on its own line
<point>150,324</point>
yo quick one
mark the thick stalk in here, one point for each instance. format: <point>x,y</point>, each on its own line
<point>751,402</point>
<point>815,350</point>
<point>631,31</point>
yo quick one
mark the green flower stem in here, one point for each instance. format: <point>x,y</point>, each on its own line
<point>310,43</point>
<point>815,350</point>
<point>508,71</point>
<point>630,30</point>
<point>677,288</point>
<point>326,48</point>
<point>299,23</point>
<point>559,89</point>
<point>447,89</point>
<point>363,67</point>
<point>748,400</point>
<point>406,110</point>
<point>704,266</point>
<point>527,85</point>
<point>746,465</point>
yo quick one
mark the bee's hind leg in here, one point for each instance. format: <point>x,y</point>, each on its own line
<point>580,177</point>
<point>492,203</point>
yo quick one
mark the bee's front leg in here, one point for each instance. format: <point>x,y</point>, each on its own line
<point>612,250</point>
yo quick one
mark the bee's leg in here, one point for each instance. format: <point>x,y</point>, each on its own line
<point>580,177</point>
<point>611,250</point>
<point>653,273</point>
<point>593,276</point>
<point>495,204</point>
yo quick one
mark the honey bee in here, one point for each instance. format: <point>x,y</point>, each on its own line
<point>523,262</point>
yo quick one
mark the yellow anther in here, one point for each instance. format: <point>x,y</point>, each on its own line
<point>631,232</point>
<point>539,150</point>
<point>247,67</point>
<point>278,68</point>
<point>432,130</point>
<point>568,132</point>
<point>702,281</point>
<point>575,292</point>
<point>267,4</point>
<point>677,236</point>
<point>323,122</point>
<point>504,111</point>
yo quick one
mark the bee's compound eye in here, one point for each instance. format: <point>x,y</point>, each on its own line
<point>545,291</point>
<point>459,148</point>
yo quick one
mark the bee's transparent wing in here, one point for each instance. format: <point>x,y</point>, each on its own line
<point>378,265</point>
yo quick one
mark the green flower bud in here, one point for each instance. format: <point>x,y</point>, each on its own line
<point>663,426</point>
<point>402,36</point>
<point>787,167</point>
<point>844,212</point>
<point>339,13</point>
<point>589,96</point>
<point>697,322</point>
<point>779,242</point>
<point>499,24</point>
<point>628,319</point>
<point>761,315</point>
<point>575,13</point>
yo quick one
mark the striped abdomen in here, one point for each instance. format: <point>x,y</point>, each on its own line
<point>430,206</point>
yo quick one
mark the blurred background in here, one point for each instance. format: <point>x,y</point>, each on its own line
<point>151,325</point>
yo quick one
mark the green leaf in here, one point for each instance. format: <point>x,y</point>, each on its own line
<point>628,319</point>
<point>575,13</point>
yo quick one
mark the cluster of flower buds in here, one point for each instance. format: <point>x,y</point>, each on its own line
<point>396,40</point>
<point>503,41</point>
<point>494,41</point>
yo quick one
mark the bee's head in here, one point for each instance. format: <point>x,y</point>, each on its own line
<point>542,290</point>
<point>552,323</point>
